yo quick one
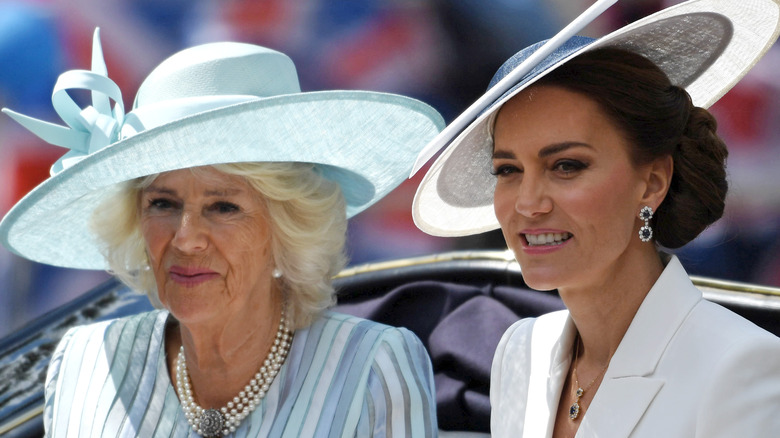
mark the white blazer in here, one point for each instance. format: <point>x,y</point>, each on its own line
<point>686,367</point>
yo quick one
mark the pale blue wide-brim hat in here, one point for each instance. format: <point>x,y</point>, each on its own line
<point>215,103</point>
<point>705,46</point>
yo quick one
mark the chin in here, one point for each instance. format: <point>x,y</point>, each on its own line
<point>186,304</point>
<point>544,285</point>
<point>541,278</point>
<point>191,314</point>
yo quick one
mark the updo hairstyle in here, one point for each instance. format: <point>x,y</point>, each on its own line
<point>658,119</point>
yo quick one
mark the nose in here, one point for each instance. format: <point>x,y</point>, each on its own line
<point>531,198</point>
<point>191,235</point>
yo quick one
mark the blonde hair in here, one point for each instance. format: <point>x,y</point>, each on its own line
<point>308,221</point>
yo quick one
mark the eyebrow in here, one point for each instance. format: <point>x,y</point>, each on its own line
<point>545,151</point>
<point>171,192</point>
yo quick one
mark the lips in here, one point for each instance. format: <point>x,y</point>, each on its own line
<point>191,276</point>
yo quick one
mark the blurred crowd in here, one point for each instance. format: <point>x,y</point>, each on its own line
<point>442,52</point>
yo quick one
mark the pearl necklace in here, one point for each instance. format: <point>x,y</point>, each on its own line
<point>213,422</point>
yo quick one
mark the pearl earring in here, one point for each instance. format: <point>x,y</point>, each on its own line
<point>277,273</point>
<point>646,232</point>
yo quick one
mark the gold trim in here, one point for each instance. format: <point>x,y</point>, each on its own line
<point>734,286</point>
<point>504,256</point>
<point>21,419</point>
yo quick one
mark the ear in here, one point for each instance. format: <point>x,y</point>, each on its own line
<point>658,178</point>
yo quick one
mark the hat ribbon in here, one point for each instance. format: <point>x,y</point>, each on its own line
<point>492,95</point>
<point>90,129</point>
<point>96,126</point>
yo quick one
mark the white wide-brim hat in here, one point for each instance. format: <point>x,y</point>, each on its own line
<point>705,46</point>
<point>215,103</point>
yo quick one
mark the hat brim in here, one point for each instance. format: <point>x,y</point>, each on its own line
<point>364,141</point>
<point>705,46</point>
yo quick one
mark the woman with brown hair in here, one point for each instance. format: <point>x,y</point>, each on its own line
<point>594,165</point>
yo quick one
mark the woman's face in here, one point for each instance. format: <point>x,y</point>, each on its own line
<point>208,239</point>
<point>567,195</point>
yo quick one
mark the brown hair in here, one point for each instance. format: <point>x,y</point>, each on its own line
<point>658,119</point>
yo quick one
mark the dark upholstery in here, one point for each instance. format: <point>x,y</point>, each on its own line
<point>460,325</point>
<point>458,306</point>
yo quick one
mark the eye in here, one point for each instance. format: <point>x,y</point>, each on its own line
<point>161,204</point>
<point>505,170</point>
<point>569,167</point>
<point>224,207</point>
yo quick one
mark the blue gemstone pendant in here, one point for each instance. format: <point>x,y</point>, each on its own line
<point>574,411</point>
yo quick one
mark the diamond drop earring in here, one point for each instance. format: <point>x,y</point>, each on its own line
<point>646,233</point>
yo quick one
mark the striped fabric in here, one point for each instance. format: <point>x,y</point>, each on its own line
<point>344,377</point>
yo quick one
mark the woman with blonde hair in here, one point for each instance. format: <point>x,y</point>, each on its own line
<point>224,195</point>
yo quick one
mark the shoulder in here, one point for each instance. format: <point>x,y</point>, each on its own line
<point>513,362</point>
<point>132,324</point>
<point>104,336</point>
<point>358,342</point>
<point>739,364</point>
<point>367,344</point>
<point>730,336</point>
<point>91,354</point>
<point>388,376</point>
<point>729,324</point>
<point>514,350</point>
<point>690,332</point>
<point>377,375</point>
<point>343,319</point>
<point>722,335</point>
<point>518,335</point>
<point>140,321</point>
<point>724,371</point>
<point>350,328</point>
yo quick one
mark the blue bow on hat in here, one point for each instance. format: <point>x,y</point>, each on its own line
<point>90,129</point>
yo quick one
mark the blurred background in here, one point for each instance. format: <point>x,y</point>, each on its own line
<point>443,52</point>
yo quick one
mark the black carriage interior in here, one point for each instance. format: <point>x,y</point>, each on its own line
<point>457,303</point>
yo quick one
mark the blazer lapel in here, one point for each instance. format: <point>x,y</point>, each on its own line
<point>629,386</point>
<point>625,400</point>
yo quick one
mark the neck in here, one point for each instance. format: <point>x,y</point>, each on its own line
<point>212,420</point>
<point>221,358</point>
<point>603,311</point>
<point>244,337</point>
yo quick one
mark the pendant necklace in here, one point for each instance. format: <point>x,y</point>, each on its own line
<point>574,410</point>
<point>223,421</point>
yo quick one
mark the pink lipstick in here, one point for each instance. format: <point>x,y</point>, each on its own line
<point>190,276</point>
<point>543,241</point>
